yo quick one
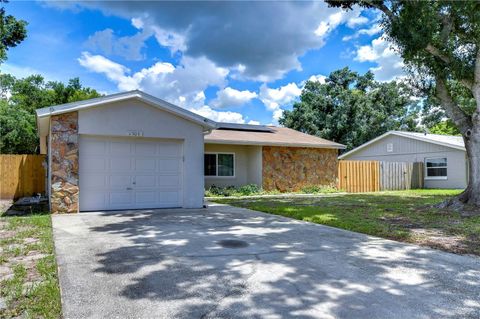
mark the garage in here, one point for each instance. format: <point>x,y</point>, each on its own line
<point>129,173</point>
<point>123,151</point>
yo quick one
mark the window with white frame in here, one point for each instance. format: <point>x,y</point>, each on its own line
<point>219,164</point>
<point>436,168</point>
<point>390,147</point>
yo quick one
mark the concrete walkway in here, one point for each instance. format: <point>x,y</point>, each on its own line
<point>189,264</point>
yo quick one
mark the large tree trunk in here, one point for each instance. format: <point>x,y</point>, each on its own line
<point>471,195</point>
<point>471,137</point>
<point>469,126</point>
<point>469,199</point>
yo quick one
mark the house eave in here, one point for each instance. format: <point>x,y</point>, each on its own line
<point>254,143</point>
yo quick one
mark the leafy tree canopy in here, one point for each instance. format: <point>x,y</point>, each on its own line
<point>352,109</point>
<point>445,127</point>
<point>19,98</point>
<point>12,31</point>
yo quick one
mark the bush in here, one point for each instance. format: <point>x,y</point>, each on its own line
<point>215,191</point>
<point>249,189</point>
<point>246,190</point>
<point>315,189</point>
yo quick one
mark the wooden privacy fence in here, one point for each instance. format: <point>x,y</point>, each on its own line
<point>374,176</point>
<point>359,176</point>
<point>21,175</point>
<point>401,175</point>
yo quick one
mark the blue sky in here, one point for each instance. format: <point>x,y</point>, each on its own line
<point>241,62</point>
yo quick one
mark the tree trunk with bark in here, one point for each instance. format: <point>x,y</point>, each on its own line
<point>471,195</point>
<point>469,126</point>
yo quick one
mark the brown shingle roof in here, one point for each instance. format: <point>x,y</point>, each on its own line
<point>278,136</point>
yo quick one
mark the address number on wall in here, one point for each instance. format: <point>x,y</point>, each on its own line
<point>135,133</point>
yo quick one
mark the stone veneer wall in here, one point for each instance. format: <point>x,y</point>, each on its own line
<point>64,163</point>
<point>291,168</point>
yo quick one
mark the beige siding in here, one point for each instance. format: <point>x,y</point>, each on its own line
<point>248,165</point>
<point>411,150</point>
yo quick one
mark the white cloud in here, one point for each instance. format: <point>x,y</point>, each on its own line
<point>273,99</point>
<point>252,122</point>
<point>229,97</point>
<point>277,114</point>
<point>137,23</point>
<point>351,18</point>
<point>172,40</point>
<point>329,24</point>
<point>128,47</point>
<point>317,78</point>
<point>356,21</point>
<point>229,117</point>
<point>182,85</point>
<point>113,71</point>
<point>389,63</point>
<point>375,29</point>
<point>366,53</point>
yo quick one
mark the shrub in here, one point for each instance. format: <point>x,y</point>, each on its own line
<point>315,189</point>
<point>215,191</point>
<point>249,189</point>
<point>246,190</point>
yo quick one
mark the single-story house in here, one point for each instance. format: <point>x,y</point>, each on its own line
<point>132,151</point>
<point>444,156</point>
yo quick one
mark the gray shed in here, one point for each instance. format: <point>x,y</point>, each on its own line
<point>444,156</point>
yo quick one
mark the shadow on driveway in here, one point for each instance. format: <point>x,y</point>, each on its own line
<point>170,264</point>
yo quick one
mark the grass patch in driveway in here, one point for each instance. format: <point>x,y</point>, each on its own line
<point>29,285</point>
<point>404,216</point>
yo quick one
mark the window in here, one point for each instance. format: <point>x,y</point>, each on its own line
<point>389,147</point>
<point>210,163</point>
<point>219,164</point>
<point>436,168</point>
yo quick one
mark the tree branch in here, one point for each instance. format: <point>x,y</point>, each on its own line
<point>476,80</point>
<point>447,60</point>
<point>454,112</point>
<point>437,53</point>
<point>447,28</point>
<point>382,7</point>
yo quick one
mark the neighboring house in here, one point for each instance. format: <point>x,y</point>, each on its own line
<point>444,156</point>
<point>132,150</point>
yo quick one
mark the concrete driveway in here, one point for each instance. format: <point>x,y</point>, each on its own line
<point>181,264</point>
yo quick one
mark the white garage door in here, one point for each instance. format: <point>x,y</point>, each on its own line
<point>129,173</point>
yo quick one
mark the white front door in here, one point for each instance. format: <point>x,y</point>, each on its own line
<point>129,173</point>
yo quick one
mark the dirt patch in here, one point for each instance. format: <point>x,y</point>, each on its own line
<point>5,234</point>
<point>438,239</point>
<point>30,258</point>
<point>401,221</point>
<point>30,241</point>
<point>6,272</point>
<point>5,204</point>
<point>28,261</point>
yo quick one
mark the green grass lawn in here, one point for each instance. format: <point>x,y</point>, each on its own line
<point>28,271</point>
<point>404,216</point>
